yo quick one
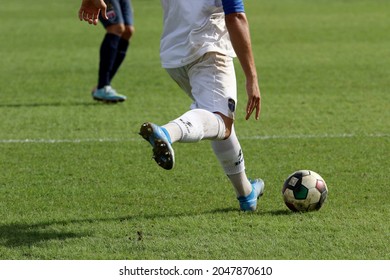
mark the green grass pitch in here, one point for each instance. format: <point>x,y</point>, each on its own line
<point>77,182</point>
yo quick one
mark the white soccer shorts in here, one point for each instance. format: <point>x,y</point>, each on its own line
<point>210,82</point>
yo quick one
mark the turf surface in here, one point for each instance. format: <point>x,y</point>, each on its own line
<point>77,182</point>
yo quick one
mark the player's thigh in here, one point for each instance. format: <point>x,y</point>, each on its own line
<point>180,76</point>
<point>213,84</point>
<point>127,12</point>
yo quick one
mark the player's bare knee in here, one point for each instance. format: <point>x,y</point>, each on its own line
<point>228,124</point>
<point>228,131</point>
<point>128,32</point>
<point>117,29</point>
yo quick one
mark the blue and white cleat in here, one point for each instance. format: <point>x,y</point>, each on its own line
<point>160,140</point>
<point>249,203</point>
<point>108,95</point>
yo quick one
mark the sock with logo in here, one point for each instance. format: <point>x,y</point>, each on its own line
<point>231,158</point>
<point>195,125</point>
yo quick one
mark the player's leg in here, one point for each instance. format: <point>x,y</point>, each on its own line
<point>192,126</point>
<point>114,26</point>
<point>125,36</point>
<point>214,89</point>
<point>214,95</point>
<point>231,158</point>
<point>204,120</point>
<point>200,122</point>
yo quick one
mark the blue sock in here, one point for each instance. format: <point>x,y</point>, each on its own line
<point>108,52</point>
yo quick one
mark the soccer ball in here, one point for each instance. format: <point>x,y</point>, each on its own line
<point>304,190</point>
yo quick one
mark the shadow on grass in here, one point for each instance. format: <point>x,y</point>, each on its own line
<point>17,235</point>
<point>24,234</point>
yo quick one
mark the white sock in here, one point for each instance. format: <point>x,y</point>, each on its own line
<point>174,131</point>
<point>231,158</point>
<point>241,184</point>
<point>196,125</point>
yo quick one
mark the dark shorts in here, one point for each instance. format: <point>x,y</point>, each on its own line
<point>118,11</point>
